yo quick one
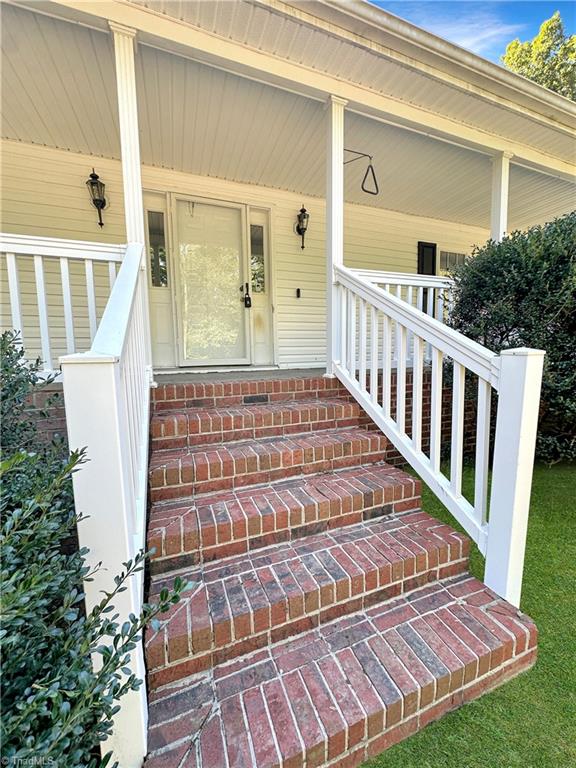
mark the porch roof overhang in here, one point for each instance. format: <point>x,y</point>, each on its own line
<point>384,67</point>
<point>410,143</point>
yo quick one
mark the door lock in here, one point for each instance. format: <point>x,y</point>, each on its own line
<point>247,297</point>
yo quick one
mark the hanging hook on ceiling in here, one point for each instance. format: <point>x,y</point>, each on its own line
<point>369,182</point>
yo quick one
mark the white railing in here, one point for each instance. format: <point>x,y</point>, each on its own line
<point>107,398</point>
<point>56,292</point>
<point>374,330</point>
<point>428,293</point>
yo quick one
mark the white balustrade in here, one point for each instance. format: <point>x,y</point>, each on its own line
<point>400,332</point>
<point>49,292</point>
<point>107,398</point>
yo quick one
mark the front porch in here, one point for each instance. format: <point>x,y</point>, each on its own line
<point>193,324</point>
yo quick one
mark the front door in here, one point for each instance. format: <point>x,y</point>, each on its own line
<point>212,265</point>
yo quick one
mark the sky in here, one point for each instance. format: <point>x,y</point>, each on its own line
<point>482,27</point>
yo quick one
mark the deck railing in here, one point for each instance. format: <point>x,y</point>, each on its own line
<point>377,331</point>
<point>107,398</point>
<point>54,292</point>
<point>428,293</point>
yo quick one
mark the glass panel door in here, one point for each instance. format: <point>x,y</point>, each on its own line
<point>211,256</point>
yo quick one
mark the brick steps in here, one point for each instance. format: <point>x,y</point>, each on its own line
<point>347,690</point>
<point>205,469</point>
<point>229,523</point>
<point>195,426</point>
<point>245,602</point>
<point>330,617</point>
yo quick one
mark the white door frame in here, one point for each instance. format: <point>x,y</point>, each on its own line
<point>242,207</point>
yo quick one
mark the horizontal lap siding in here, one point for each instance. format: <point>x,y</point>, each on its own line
<point>374,238</point>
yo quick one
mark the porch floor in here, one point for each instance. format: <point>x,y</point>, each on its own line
<point>191,375</point>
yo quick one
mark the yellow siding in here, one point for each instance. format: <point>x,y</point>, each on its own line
<point>373,238</point>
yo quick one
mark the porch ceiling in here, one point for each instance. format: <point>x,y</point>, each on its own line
<point>205,121</point>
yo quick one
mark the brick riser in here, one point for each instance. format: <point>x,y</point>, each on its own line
<point>230,523</point>
<point>177,474</point>
<point>245,603</point>
<point>192,427</point>
<point>346,691</point>
<point>170,397</point>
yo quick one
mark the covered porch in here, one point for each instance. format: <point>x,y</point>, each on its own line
<point>221,160</point>
<point>209,143</point>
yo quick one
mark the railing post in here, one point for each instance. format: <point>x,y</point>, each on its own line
<point>516,426</point>
<point>334,224</point>
<point>96,419</point>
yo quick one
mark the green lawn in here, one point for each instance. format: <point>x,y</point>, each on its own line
<point>529,722</point>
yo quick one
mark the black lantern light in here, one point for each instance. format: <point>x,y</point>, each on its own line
<point>97,189</point>
<point>302,223</point>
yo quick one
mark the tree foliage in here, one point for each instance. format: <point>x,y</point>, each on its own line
<point>521,292</point>
<point>549,59</point>
<point>55,707</point>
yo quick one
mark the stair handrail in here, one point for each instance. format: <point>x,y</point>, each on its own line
<point>372,329</point>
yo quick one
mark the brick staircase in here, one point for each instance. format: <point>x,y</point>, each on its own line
<point>330,616</point>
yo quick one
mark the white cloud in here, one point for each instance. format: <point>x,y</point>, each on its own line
<point>478,29</point>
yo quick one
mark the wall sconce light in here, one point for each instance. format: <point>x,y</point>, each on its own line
<point>302,223</point>
<point>97,189</point>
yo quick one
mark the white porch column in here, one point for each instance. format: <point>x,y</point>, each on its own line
<point>500,189</point>
<point>334,222</point>
<point>124,39</point>
<point>124,42</point>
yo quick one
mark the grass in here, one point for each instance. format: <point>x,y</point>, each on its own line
<point>529,722</point>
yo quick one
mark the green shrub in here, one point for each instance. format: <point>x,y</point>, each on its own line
<point>54,705</point>
<point>521,292</point>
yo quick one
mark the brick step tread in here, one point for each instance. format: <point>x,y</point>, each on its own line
<point>205,469</point>
<point>193,426</point>
<point>246,602</point>
<point>222,393</point>
<point>344,692</point>
<point>224,524</point>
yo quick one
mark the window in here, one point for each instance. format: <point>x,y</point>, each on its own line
<point>157,250</point>
<point>448,260</point>
<point>257,258</point>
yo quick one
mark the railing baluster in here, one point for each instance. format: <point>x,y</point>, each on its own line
<point>343,294</point>
<point>67,299</point>
<point>111,273</point>
<point>457,441</point>
<point>436,409</point>
<point>373,354</point>
<point>420,299</point>
<point>42,312</point>
<point>91,298</point>
<point>482,450</point>
<point>362,344</point>
<point>401,379</point>
<point>417,390</point>
<point>14,290</point>
<point>430,302</point>
<point>352,335</point>
<point>386,364</point>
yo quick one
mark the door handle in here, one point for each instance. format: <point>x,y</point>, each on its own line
<point>247,298</point>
